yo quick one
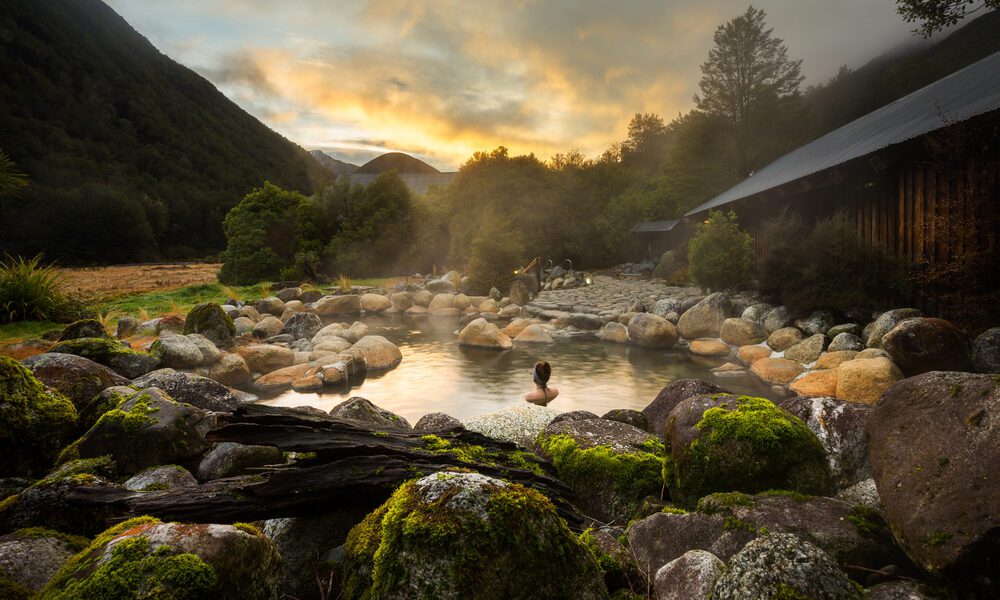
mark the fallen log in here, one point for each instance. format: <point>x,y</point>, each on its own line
<point>350,465</point>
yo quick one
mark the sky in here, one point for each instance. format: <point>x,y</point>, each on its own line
<point>441,79</point>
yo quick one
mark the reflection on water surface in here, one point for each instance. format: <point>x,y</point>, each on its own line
<point>437,375</point>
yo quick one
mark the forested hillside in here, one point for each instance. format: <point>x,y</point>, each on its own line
<point>131,155</point>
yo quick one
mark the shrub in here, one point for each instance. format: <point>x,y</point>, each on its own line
<point>260,235</point>
<point>31,291</point>
<point>827,267</point>
<point>720,256</point>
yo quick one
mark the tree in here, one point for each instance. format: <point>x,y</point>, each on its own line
<point>935,15</point>
<point>720,255</point>
<point>646,144</point>
<point>747,72</point>
<point>261,235</point>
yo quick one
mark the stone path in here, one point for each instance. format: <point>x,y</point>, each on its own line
<point>609,296</point>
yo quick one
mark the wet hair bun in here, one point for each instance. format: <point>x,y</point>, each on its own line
<point>543,371</point>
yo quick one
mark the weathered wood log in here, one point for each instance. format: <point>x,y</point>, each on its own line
<point>355,466</point>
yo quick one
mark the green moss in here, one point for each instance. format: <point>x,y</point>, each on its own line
<point>12,590</point>
<point>521,526</point>
<point>956,390</point>
<point>938,538</point>
<point>155,487</point>
<point>622,479</point>
<point>747,444</point>
<point>619,572</point>
<point>249,528</point>
<point>35,423</point>
<point>471,453</point>
<point>785,592</point>
<point>209,318</point>
<point>101,465</point>
<point>791,494</point>
<point>131,420</point>
<point>75,543</point>
<point>135,570</point>
<point>866,520</point>
<point>943,461</point>
<point>731,523</point>
<point>69,453</point>
<point>674,510</point>
<point>99,350</point>
<point>723,501</point>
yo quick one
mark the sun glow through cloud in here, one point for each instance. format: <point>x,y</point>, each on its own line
<point>442,79</point>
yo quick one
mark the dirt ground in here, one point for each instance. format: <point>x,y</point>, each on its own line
<point>101,282</point>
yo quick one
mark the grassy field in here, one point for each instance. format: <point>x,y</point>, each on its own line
<point>146,292</point>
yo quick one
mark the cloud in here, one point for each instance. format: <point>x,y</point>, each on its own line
<point>444,78</point>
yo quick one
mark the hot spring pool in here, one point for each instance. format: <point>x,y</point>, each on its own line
<point>437,375</point>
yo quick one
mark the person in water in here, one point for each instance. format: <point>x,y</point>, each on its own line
<point>543,394</point>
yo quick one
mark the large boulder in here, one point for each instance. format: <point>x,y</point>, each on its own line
<point>30,557</point>
<point>379,353</point>
<point>348,304</point>
<point>922,344</point>
<point>784,338</point>
<point>665,536</point>
<point>467,536</point>
<point>520,423</point>
<point>706,318</point>
<point>401,301</point>
<point>228,459</point>
<point>808,350</point>
<point>163,477</point>
<point>933,440</point>
<point>480,333</point>
<point>720,443</point>
<point>658,411</point>
<point>885,323</point>
<point>651,331</point>
<point>776,318</point>
<point>264,358</point>
<point>375,303</point>
<point>780,566</point>
<point>776,371</point>
<point>612,466</point>
<point>613,332</point>
<point>110,353</point>
<point>846,341</point>
<point>354,332</point>
<point>691,576</point>
<point>840,427</point>
<point>104,401</point>
<point>986,352</point>
<point>271,305</point>
<point>864,379</point>
<point>742,332</point>
<point>176,560</point>
<point>269,326</point>
<point>76,377</point>
<point>148,429</point>
<point>200,392</point>
<point>436,422</point>
<point>534,334</point>
<point>176,351</point>
<point>84,328</point>
<point>363,411</point>
<point>35,422</point>
<point>230,370</point>
<point>211,321</point>
<point>302,325</point>
<point>818,321</point>
<point>816,384</point>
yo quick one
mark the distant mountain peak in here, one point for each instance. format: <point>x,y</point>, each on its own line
<point>334,165</point>
<point>403,164</point>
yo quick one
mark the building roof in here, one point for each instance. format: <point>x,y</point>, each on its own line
<point>969,92</point>
<point>654,226</point>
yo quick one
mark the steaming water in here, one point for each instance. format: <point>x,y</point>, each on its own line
<point>437,375</point>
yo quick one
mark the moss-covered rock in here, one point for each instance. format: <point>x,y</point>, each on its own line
<point>111,353</point>
<point>78,378</point>
<point>146,430</point>
<point>722,443</point>
<point>211,321</point>
<point>108,399</point>
<point>35,423</point>
<point>471,537</point>
<point>45,503</point>
<point>615,560</point>
<point>363,411</point>
<point>144,558</point>
<point>612,466</point>
<point>30,557</point>
<point>84,328</point>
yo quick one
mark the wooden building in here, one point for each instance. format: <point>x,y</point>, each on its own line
<point>919,177</point>
<point>656,237</point>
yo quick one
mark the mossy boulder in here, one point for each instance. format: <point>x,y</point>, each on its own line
<point>111,353</point>
<point>211,321</point>
<point>35,423</point>
<point>78,378</point>
<point>146,430</point>
<point>721,443</point>
<point>621,574</point>
<point>106,400</point>
<point>145,558</point>
<point>658,411</point>
<point>84,328</point>
<point>45,503</point>
<point>198,391</point>
<point>612,466</point>
<point>466,536</point>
